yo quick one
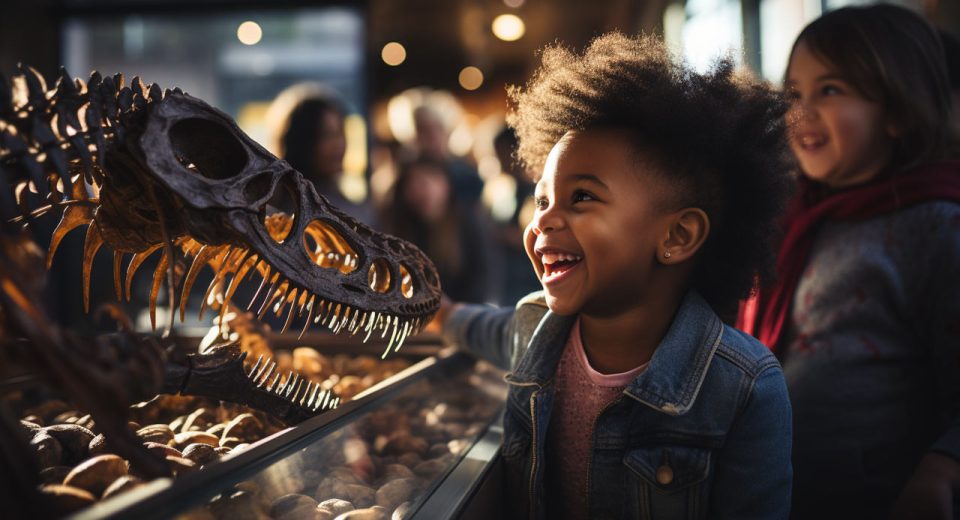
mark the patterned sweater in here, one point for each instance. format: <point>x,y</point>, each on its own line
<point>872,358</point>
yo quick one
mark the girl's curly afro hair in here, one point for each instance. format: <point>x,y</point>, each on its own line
<point>719,138</point>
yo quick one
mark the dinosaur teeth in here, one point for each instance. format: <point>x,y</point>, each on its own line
<point>263,283</point>
<point>269,372</point>
<point>344,320</point>
<point>384,324</point>
<point>73,217</point>
<point>312,399</point>
<point>91,245</point>
<point>369,328</point>
<point>135,262</point>
<point>266,300</point>
<point>320,312</point>
<point>306,323</point>
<point>274,383</point>
<point>292,379</point>
<point>255,367</point>
<point>297,396</point>
<point>292,299</point>
<point>393,336</point>
<point>291,387</point>
<point>271,296</point>
<point>359,326</point>
<point>245,263</point>
<point>353,319</point>
<point>203,255</point>
<point>224,268</point>
<point>403,335</point>
<point>158,275</point>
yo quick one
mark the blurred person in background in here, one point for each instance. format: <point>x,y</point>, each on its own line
<point>308,123</point>
<point>515,277</point>
<point>432,141</point>
<point>864,313</point>
<point>425,210</point>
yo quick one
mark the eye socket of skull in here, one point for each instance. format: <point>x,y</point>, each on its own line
<point>327,248</point>
<point>207,148</point>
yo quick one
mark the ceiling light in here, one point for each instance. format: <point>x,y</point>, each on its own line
<point>393,54</point>
<point>249,33</point>
<point>508,27</point>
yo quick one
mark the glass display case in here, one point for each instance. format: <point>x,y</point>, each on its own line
<point>421,444</point>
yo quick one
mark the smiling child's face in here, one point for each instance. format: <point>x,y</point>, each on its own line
<point>838,136</point>
<point>594,236</point>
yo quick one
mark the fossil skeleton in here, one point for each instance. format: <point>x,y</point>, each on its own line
<point>149,170</point>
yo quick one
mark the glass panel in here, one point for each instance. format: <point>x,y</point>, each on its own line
<point>388,459</point>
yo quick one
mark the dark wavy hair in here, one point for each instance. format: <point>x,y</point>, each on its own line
<point>302,131</point>
<point>718,137</point>
<point>891,56</point>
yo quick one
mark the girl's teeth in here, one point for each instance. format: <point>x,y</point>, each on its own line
<point>552,258</point>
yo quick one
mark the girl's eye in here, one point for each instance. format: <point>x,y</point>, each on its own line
<point>792,96</point>
<point>830,90</point>
<point>540,202</point>
<point>583,196</point>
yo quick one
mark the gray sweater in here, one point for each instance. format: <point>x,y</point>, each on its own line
<point>872,358</point>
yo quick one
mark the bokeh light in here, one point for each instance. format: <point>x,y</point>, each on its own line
<point>393,54</point>
<point>471,78</point>
<point>513,3</point>
<point>508,27</point>
<point>249,33</point>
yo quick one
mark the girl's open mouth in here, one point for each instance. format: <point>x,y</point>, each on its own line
<point>556,265</point>
<point>811,141</point>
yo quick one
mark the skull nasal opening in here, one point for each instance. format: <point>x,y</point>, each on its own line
<point>208,148</point>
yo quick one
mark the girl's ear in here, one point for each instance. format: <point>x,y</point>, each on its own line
<point>687,231</point>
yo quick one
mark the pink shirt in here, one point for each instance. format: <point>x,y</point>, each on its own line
<point>581,393</point>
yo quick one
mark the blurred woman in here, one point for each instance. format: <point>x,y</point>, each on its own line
<point>424,209</point>
<point>310,136</point>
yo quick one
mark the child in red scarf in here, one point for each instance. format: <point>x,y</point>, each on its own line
<point>865,316</point>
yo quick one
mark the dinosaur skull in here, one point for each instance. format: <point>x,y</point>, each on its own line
<point>217,186</point>
<point>146,169</point>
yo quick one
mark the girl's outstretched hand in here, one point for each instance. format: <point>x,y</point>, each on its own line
<point>446,308</point>
<point>929,492</point>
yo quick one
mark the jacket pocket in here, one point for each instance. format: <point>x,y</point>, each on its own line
<point>667,482</point>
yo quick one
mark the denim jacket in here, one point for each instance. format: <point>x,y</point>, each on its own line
<point>703,432</point>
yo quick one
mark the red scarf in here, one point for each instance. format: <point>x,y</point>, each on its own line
<point>765,313</point>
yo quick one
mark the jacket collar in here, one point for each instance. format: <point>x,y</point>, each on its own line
<point>673,379</point>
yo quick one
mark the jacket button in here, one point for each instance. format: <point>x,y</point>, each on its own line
<point>664,475</point>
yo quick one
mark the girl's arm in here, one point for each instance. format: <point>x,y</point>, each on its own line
<point>480,329</point>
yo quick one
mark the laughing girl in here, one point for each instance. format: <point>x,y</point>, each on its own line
<point>658,196</point>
